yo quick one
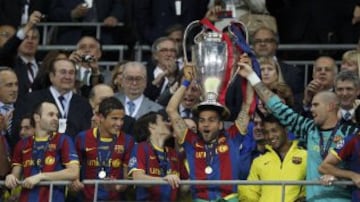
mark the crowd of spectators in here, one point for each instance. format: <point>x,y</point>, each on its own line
<point>61,118</point>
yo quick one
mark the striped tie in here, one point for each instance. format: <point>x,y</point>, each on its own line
<point>8,109</point>
<point>131,108</point>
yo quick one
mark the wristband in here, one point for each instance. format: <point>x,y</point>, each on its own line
<point>186,83</point>
<point>253,79</point>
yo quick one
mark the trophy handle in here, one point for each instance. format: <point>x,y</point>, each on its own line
<point>190,26</point>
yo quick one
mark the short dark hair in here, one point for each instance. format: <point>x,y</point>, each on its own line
<point>38,109</point>
<point>93,37</point>
<point>28,116</point>
<point>109,104</point>
<point>271,119</point>
<point>141,130</point>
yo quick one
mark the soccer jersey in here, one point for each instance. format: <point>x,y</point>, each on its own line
<point>43,155</point>
<point>102,154</point>
<point>220,164</point>
<point>349,154</point>
<point>270,167</point>
<point>158,163</point>
<point>307,131</point>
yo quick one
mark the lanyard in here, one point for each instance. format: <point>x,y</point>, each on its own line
<point>210,150</point>
<point>164,164</point>
<point>324,151</point>
<point>109,152</point>
<point>38,153</point>
<point>63,110</point>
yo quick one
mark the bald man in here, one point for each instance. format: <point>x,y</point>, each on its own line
<point>96,95</point>
<point>321,133</point>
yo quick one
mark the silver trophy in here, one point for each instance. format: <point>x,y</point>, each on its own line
<point>210,56</point>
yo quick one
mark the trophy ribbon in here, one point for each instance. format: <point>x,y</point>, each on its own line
<point>230,58</point>
<point>244,46</point>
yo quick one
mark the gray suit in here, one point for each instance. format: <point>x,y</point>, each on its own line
<point>146,106</point>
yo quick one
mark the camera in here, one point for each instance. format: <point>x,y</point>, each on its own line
<point>87,58</point>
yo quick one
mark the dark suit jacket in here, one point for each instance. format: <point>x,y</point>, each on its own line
<point>153,17</point>
<point>8,57</point>
<point>146,106</point>
<point>294,76</point>
<point>80,112</point>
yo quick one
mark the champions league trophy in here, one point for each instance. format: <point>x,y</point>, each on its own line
<point>211,57</point>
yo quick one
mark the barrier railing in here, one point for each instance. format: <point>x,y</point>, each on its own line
<point>47,25</point>
<point>283,184</point>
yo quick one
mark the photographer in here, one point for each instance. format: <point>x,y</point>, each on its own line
<point>86,57</point>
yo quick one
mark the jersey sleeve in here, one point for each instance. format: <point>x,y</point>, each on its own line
<point>129,146</point>
<point>138,159</point>
<point>68,151</point>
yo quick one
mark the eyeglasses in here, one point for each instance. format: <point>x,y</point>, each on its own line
<point>5,34</point>
<point>265,41</point>
<point>131,79</point>
<point>164,50</point>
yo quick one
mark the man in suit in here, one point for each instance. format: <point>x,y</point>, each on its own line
<point>324,73</point>
<point>164,72</point>
<point>75,111</point>
<point>134,82</point>
<point>153,17</point>
<point>347,88</point>
<point>19,53</point>
<point>8,96</point>
<point>109,12</point>
<point>97,94</point>
<point>86,56</point>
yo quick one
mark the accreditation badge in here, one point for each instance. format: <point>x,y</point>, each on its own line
<point>62,125</point>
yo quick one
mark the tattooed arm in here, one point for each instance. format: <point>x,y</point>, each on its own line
<point>243,118</point>
<point>177,122</point>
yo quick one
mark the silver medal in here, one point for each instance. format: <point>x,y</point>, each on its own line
<point>208,170</point>
<point>102,174</point>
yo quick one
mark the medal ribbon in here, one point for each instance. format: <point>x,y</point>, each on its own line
<point>105,166</point>
<point>210,151</point>
<point>324,151</point>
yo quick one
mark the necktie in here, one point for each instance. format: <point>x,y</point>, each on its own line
<point>85,78</point>
<point>131,108</point>
<point>30,72</point>
<point>187,113</point>
<point>62,99</point>
<point>8,109</point>
<point>347,116</point>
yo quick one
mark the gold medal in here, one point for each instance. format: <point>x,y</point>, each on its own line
<point>208,170</point>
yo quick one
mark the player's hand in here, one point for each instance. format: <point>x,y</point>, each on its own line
<point>173,180</point>
<point>76,185</point>
<point>11,181</point>
<point>189,71</point>
<point>244,65</point>
<point>31,181</point>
